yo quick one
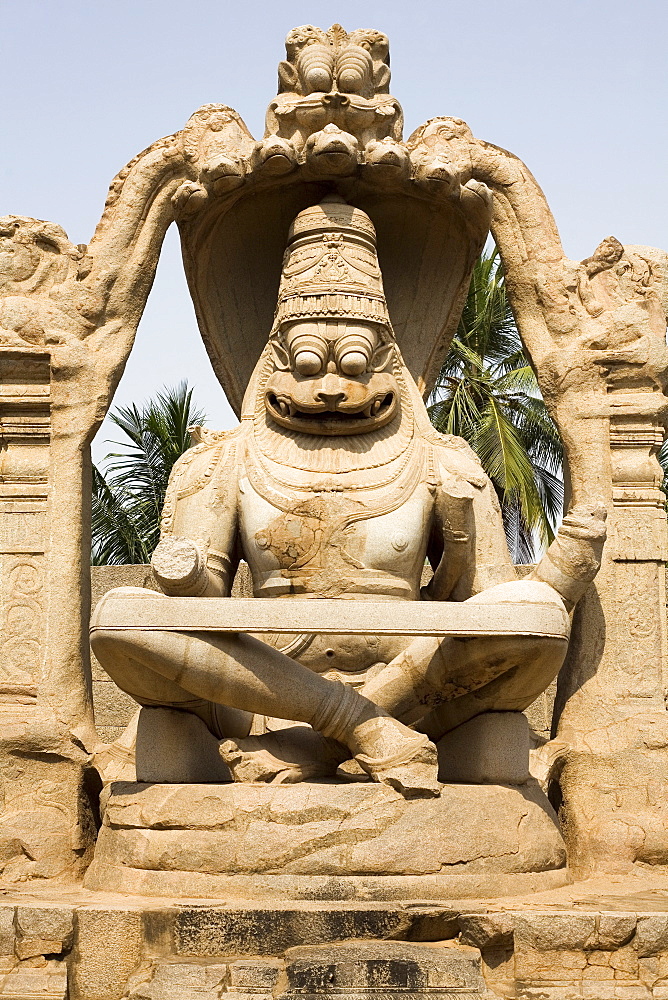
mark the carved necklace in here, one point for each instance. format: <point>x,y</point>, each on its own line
<point>261,459</point>
<point>405,482</point>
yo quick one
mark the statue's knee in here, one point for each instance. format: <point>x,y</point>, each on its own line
<point>518,592</point>
<point>99,615</point>
<point>552,653</point>
<point>105,646</point>
<point>110,647</point>
<point>114,649</point>
<point>101,642</point>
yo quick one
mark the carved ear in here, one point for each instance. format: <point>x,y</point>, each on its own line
<point>381,78</point>
<point>287,77</point>
<point>280,353</point>
<point>381,355</point>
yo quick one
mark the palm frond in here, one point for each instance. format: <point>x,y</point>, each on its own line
<point>662,458</point>
<point>129,495</point>
<point>487,393</point>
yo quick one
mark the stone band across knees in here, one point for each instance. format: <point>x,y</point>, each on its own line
<point>525,611</point>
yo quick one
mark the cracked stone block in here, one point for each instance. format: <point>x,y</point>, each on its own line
<point>7,930</point>
<point>254,979</point>
<point>651,935</point>
<point>49,983</point>
<point>43,930</point>
<point>382,967</point>
<point>174,980</point>
<point>552,931</point>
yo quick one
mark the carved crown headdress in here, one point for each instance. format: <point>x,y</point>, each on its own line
<point>330,267</point>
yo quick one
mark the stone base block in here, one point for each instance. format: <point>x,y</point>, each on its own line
<point>382,970</point>
<point>493,748</point>
<point>326,841</point>
<point>176,748</point>
<point>47,825</point>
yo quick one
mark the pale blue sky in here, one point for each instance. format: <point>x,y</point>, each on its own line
<point>577,88</point>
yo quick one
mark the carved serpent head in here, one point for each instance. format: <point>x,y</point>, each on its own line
<point>34,254</point>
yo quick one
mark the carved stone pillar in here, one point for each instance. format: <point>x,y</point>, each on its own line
<point>613,729</point>
<point>68,316</point>
<point>638,552</point>
<point>44,831</point>
<point>24,496</point>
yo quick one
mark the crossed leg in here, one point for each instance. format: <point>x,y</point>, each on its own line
<point>184,670</point>
<point>434,685</point>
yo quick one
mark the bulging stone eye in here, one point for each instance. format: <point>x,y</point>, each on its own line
<point>353,362</point>
<point>307,362</point>
<point>308,350</point>
<point>316,63</point>
<point>353,351</point>
<point>354,69</point>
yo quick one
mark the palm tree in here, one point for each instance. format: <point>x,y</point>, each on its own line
<point>128,496</point>
<point>487,393</point>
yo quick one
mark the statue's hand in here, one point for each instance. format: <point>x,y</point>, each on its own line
<point>179,567</point>
<point>574,557</point>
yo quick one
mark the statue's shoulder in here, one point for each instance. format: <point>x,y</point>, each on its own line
<point>205,439</point>
<point>455,457</point>
<point>211,451</point>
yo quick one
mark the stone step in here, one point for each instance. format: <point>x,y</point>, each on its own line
<point>569,944</point>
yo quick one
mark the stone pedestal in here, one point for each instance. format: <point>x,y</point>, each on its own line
<point>603,940</point>
<point>176,748</point>
<point>492,748</point>
<point>326,841</point>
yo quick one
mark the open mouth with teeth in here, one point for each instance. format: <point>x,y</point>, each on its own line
<point>332,419</point>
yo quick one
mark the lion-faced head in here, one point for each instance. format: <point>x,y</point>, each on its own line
<point>332,376</point>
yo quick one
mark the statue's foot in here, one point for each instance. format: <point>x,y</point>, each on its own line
<point>412,767</point>
<point>286,756</point>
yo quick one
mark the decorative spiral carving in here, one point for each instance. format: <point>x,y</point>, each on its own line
<point>316,68</point>
<point>354,70</point>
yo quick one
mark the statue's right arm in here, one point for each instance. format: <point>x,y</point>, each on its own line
<point>196,553</point>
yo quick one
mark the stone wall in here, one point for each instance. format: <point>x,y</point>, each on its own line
<point>142,950</point>
<point>113,707</point>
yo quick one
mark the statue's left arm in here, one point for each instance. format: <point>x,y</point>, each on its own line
<point>468,544</point>
<point>574,557</point>
<point>470,551</point>
<point>594,331</point>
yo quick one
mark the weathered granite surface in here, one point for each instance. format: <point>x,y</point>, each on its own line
<point>381,236</point>
<point>604,939</point>
<point>306,838</point>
